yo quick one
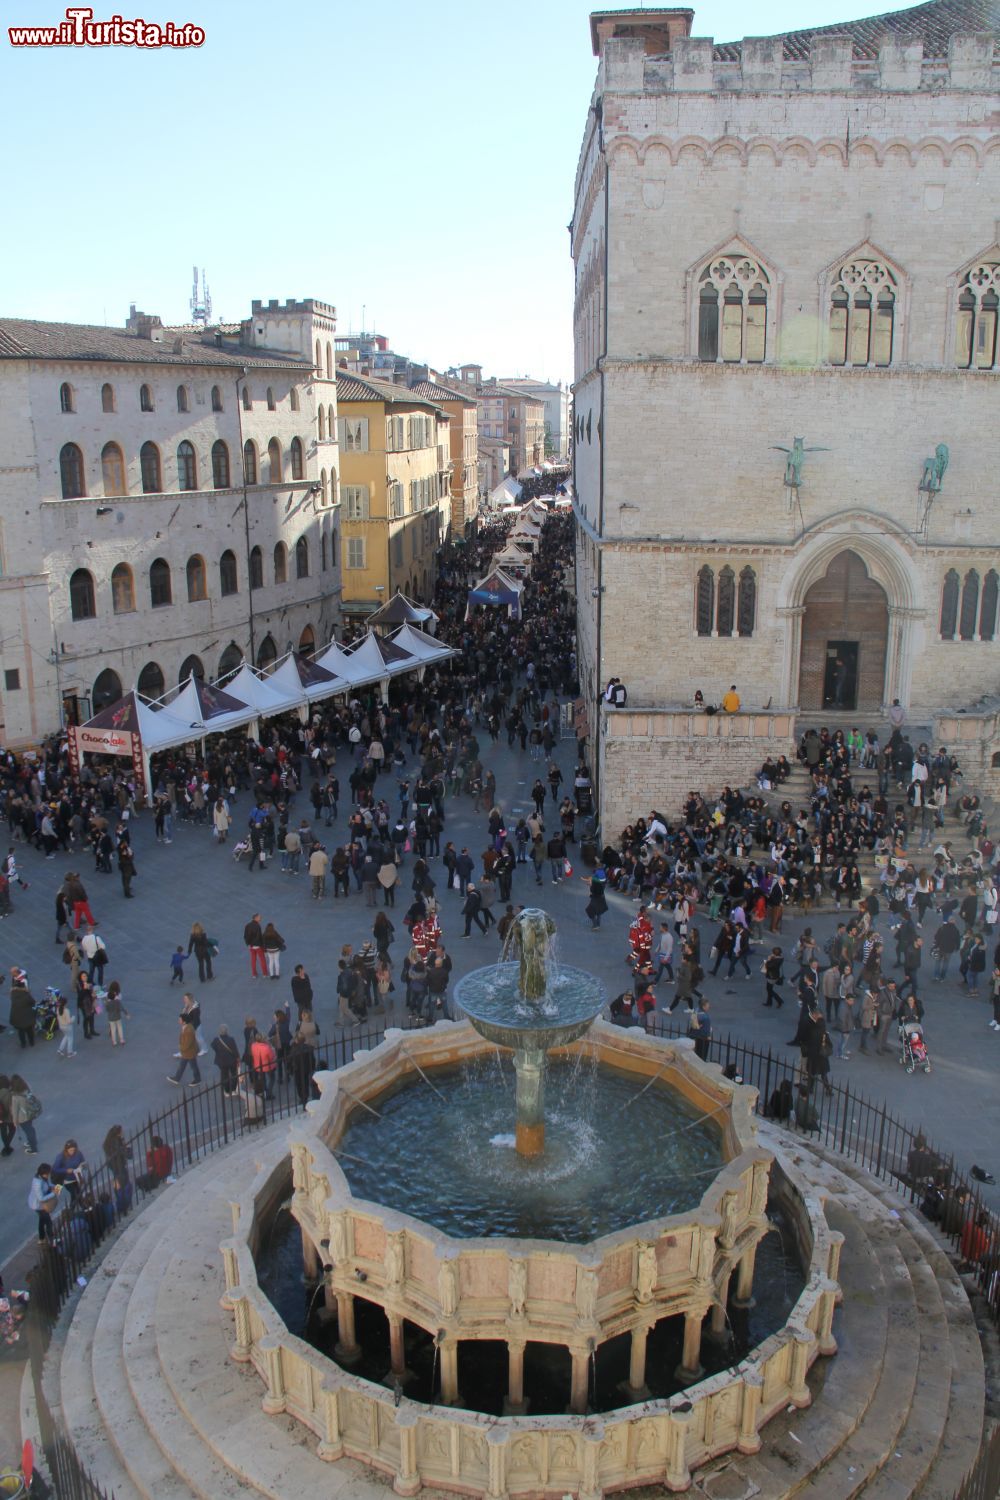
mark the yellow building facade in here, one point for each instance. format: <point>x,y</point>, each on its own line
<point>395,491</point>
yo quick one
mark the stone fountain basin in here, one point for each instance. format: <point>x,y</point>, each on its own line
<point>492,1000</point>
<point>530,1037</point>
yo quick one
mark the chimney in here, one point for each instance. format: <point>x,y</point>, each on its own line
<point>144,325</point>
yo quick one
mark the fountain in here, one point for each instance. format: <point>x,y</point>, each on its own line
<point>482,1306</point>
<point>531,1005</point>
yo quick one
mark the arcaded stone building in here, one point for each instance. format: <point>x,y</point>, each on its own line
<point>169,505</point>
<point>787,262</point>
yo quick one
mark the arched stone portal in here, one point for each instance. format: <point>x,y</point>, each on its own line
<point>845,632</point>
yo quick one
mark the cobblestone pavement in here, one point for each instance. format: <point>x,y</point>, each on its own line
<point>193,879</point>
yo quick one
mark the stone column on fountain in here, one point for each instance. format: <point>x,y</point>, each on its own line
<point>744,1278</point>
<point>347,1350</point>
<point>448,1352</point>
<point>689,1369</point>
<point>515,1404</point>
<point>397,1350</point>
<point>636,1388</point>
<point>580,1380</point>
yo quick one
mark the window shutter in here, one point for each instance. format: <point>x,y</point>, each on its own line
<point>342,432</point>
<point>363,435</point>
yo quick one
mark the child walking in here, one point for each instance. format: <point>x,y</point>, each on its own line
<point>177,965</point>
<point>11,871</point>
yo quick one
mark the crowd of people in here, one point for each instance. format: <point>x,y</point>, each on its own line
<point>355,805</point>
<point>739,862</point>
<point>277,802</point>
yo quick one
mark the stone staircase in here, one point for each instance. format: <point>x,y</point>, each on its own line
<point>157,1409</point>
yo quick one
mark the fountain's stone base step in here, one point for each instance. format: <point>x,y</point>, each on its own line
<point>158,1409</point>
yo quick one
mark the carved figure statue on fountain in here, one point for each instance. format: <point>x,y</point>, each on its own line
<point>730,1220</point>
<point>517,1286</point>
<point>395,1259</point>
<point>448,1287</point>
<point>529,936</point>
<point>586,1294</point>
<point>646,1272</point>
<point>338,1238</point>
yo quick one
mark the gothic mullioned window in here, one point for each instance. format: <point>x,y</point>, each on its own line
<point>969,610</point>
<point>732,311</point>
<point>725,606</point>
<point>988,607</point>
<point>862,314</point>
<point>746,608</point>
<point>726,609</point>
<point>949,606</point>
<point>976,344</point>
<point>705,600</point>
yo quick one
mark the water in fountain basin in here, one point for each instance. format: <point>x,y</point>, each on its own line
<point>440,1158</point>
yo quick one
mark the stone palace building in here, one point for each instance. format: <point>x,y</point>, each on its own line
<point>169,504</point>
<point>787,255</point>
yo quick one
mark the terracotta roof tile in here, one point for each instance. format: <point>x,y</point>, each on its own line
<point>434,391</point>
<point>364,388</point>
<point>933,24</point>
<point>28,338</point>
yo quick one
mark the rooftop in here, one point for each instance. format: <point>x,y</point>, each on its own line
<point>352,387</point>
<point>435,391</point>
<point>933,24</point>
<point>27,338</point>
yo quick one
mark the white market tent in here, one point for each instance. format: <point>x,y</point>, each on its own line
<point>263,694</point>
<point>422,647</point>
<point>366,662</point>
<point>296,674</point>
<point>507,492</point>
<point>512,556</point>
<point>335,659</point>
<point>209,709</point>
<point>198,709</point>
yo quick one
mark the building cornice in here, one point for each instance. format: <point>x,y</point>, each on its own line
<point>746,547</point>
<point>779,369</point>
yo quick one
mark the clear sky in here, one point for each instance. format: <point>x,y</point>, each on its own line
<point>412,164</point>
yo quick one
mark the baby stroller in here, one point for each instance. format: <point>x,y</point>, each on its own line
<point>241,849</point>
<point>46,1014</point>
<point>914,1053</point>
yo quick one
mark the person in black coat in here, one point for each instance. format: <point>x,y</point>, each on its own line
<point>227,1059</point>
<point>597,904</point>
<point>472,911</point>
<point>302,990</point>
<point>301,1065</point>
<point>816,1046</point>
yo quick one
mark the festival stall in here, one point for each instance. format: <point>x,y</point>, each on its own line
<point>402,611</point>
<point>500,588</point>
<point>134,728</point>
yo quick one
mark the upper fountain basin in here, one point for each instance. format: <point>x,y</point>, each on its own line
<point>492,1000</point>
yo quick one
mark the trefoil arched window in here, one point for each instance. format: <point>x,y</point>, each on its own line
<point>732,311</point>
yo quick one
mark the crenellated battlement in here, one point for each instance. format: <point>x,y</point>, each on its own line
<point>308,305</point>
<point>758,65</point>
